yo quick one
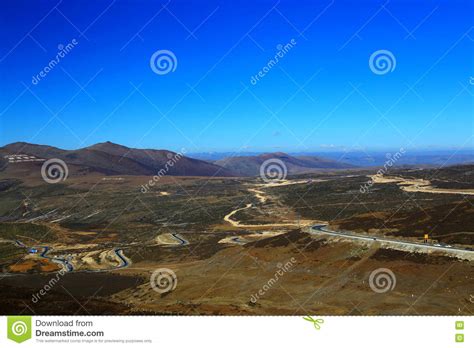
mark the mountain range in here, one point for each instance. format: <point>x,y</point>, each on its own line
<point>250,165</point>
<point>113,159</point>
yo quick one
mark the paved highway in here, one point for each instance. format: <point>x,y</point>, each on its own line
<point>64,262</point>
<point>119,253</point>
<point>321,229</point>
<point>180,239</point>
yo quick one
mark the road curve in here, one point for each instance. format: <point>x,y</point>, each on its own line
<point>125,262</point>
<point>121,256</point>
<point>237,223</point>
<point>321,229</point>
<point>180,239</point>
<point>68,267</point>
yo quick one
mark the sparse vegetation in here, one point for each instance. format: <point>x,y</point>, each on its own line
<point>86,218</point>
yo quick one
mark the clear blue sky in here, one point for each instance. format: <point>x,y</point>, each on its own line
<point>321,94</point>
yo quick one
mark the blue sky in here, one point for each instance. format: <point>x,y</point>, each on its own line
<point>321,94</point>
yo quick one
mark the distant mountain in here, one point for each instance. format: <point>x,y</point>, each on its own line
<point>111,159</point>
<point>250,165</point>
<point>107,158</point>
<point>215,156</point>
<point>410,157</point>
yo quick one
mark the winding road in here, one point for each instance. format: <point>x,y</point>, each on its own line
<point>119,254</point>
<point>67,266</point>
<point>65,263</point>
<point>180,239</point>
<point>263,197</point>
<point>417,185</point>
<point>321,229</point>
<point>237,223</point>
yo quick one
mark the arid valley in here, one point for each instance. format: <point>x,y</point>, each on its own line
<point>309,242</point>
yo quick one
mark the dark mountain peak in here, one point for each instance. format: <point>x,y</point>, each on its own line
<point>18,143</point>
<point>114,159</point>
<point>23,144</point>
<point>22,147</point>
<point>107,145</point>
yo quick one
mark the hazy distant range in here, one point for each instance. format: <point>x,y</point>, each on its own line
<point>368,158</point>
<point>108,158</point>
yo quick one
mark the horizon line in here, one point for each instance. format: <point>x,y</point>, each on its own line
<point>321,149</point>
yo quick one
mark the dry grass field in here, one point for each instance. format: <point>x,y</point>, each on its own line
<point>237,245</point>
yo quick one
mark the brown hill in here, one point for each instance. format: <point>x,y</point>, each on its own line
<point>250,165</point>
<point>110,159</point>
